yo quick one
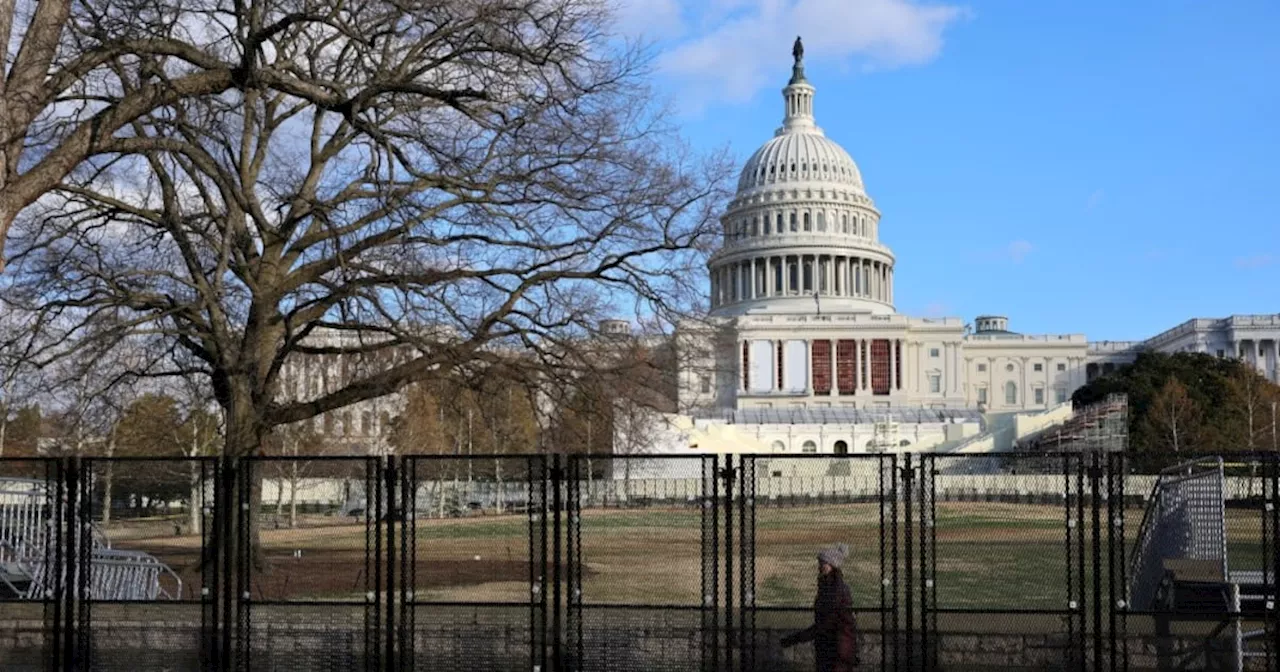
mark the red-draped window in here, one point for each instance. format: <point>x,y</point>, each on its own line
<point>822,367</point>
<point>845,380</point>
<point>880,366</point>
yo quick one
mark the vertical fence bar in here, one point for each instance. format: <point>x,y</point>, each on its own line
<point>929,470</point>
<point>896,635</point>
<point>1079,647</point>
<point>1096,603</point>
<point>387,474</point>
<point>557,585</point>
<point>1070,534</point>
<point>1273,607</point>
<point>536,482</point>
<point>908,522</point>
<point>408,562</point>
<point>710,566</point>
<point>248,541</point>
<point>1115,480</point>
<point>747,565</point>
<point>84,566</point>
<point>727,474</point>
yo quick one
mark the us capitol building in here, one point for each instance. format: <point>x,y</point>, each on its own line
<point>804,351</point>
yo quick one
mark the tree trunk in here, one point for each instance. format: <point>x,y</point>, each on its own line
<point>279,499</point>
<point>293,495</point>
<point>497,475</point>
<point>196,486</point>
<point>108,479</point>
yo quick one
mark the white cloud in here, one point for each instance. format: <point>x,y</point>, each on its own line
<point>1095,199</point>
<point>1256,261</point>
<point>1019,249</point>
<point>649,19</point>
<point>747,43</point>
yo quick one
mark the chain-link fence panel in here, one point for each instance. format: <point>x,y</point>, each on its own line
<point>797,507</point>
<point>1001,556</point>
<point>643,584</point>
<point>475,576</point>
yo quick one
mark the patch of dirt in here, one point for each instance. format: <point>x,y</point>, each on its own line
<point>341,574</point>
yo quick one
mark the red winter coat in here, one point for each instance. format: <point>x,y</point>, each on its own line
<point>834,632</point>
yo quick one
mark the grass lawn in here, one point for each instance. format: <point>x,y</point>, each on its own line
<point>989,556</point>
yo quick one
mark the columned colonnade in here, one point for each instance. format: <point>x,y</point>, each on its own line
<point>832,366</point>
<point>802,275</point>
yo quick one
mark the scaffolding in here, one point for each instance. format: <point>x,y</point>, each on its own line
<point>1101,427</point>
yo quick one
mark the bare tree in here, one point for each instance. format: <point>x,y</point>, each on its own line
<point>443,181</point>
<point>492,177</point>
<point>1174,416</point>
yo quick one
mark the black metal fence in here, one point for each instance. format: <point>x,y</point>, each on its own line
<point>594,563</point>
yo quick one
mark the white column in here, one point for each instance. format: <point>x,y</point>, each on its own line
<point>922,385</point>
<point>1026,383</point>
<point>830,273</point>
<point>893,366</point>
<point>857,365</point>
<point>835,382</point>
<point>808,382</point>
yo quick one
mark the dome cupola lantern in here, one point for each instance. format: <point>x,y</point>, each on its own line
<point>801,234</point>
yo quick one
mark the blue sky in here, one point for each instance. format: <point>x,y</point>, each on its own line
<point>1099,167</point>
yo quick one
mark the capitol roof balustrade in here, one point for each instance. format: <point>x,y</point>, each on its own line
<point>1029,338</point>
<point>1113,347</point>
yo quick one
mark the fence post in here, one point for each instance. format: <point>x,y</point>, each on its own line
<point>908,644</point>
<point>727,475</point>
<point>557,583</point>
<point>1273,607</point>
<point>1095,490</point>
<point>387,474</point>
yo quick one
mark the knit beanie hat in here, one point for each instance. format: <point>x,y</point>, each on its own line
<point>834,555</point>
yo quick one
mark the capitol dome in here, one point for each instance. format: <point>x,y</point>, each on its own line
<point>800,158</point>
<point>801,234</point>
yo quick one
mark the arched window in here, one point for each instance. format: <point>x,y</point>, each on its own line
<point>807,225</point>
<point>844,224</point>
<point>767,226</point>
<point>841,448</point>
<point>778,228</point>
<point>755,226</point>
<point>1010,393</point>
<point>779,447</point>
<point>809,447</point>
<point>793,222</point>
<point>822,222</point>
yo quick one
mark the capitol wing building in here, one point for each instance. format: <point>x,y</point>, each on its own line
<point>803,351</point>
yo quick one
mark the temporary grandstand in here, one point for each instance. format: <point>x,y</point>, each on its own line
<point>30,547</point>
<point>1179,570</point>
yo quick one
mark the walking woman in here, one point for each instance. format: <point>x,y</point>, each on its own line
<point>834,632</point>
